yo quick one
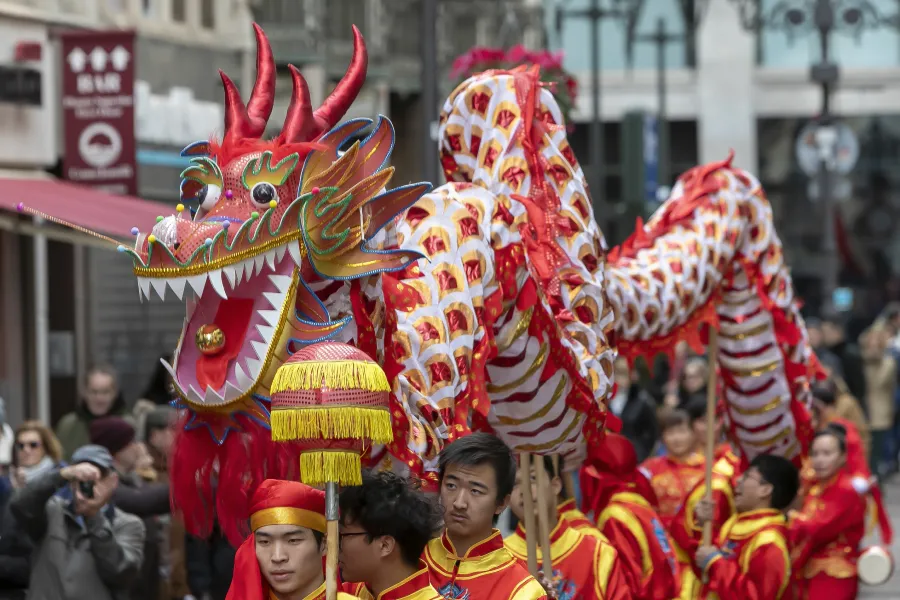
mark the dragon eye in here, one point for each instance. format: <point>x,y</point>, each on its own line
<point>263,193</point>
<point>208,196</point>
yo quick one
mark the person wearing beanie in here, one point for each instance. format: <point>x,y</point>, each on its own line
<point>282,557</point>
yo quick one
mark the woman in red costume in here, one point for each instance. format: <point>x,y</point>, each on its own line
<point>825,535</point>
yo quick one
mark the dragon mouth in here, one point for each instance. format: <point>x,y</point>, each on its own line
<point>249,302</point>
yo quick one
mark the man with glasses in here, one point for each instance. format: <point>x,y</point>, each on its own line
<point>751,558</point>
<point>282,557</point>
<point>385,525</point>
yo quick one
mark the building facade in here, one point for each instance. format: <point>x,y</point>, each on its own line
<point>727,89</point>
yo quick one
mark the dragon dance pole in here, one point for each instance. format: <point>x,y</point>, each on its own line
<point>713,351</point>
<point>543,483</point>
<point>530,527</point>
<point>331,540</point>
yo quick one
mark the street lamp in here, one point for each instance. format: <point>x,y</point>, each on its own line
<point>595,13</point>
<point>798,17</point>
<point>692,12</point>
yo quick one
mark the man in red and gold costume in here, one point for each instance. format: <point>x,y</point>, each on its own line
<point>477,475</point>
<point>385,526</point>
<point>623,502</point>
<point>751,559</point>
<point>675,474</point>
<point>584,566</point>
<point>282,558</point>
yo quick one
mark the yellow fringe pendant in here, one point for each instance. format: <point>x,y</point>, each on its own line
<point>335,375</point>
<point>319,467</point>
<point>331,423</point>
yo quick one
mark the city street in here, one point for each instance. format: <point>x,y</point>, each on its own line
<point>892,588</point>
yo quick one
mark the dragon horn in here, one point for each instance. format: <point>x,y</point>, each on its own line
<point>345,92</point>
<point>263,97</point>
<point>299,124</point>
<point>237,122</point>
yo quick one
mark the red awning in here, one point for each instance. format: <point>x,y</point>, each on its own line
<point>89,208</point>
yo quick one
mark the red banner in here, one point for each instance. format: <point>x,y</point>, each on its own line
<point>98,110</point>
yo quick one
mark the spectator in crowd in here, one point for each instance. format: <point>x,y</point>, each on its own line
<point>636,409</point>
<point>100,397</point>
<point>693,380</point>
<point>833,402</point>
<point>881,385</point>
<point>135,496</point>
<point>37,451</point>
<point>86,547</point>
<point>6,441</point>
<point>696,410</point>
<point>848,354</point>
<point>159,392</point>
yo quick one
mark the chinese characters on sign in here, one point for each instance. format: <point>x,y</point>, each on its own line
<point>98,110</point>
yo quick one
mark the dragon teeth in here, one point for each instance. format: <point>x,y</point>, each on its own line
<point>177,286</point>
<point>270,259</point>
<point>271,317</point>
<point>276,299</point>
<point>243,379</point>
<point>282,282</point>
<point>159,286</point>
<point>294,249</point>
<point>197,283</point>
<point>194,395</point>
<point>215,279</point>
<point>280,250</point>
<point>231,275</point>
<point>143,288</point>
<point>212,396</point>
<point>266,332</point>
<point>261,348</point>
<point>254,367</point>
<point>231,392</point>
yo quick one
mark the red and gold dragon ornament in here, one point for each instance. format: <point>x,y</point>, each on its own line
<point>488,301</point>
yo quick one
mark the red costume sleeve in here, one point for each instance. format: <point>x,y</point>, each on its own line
<point>630,556</point>
<point>766,578</point>
<point>617,587</point>
<point>685,529</point>
<point>812,529</point>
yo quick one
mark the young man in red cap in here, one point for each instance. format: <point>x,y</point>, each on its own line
<point>282,557</point>
<point>385,526</point>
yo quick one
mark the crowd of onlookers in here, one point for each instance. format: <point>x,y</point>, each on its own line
<point>84,507</point>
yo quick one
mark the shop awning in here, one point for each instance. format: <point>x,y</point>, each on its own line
<point>92,209</point>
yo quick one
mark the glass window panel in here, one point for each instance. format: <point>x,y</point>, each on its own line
<point>872,48</point>
<point>575,36</point>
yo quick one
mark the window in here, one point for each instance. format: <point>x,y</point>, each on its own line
<point>208,14</point>
<point>871,48</point>
<point>179,11</point>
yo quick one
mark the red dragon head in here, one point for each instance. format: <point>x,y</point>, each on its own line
<point>271,217</point>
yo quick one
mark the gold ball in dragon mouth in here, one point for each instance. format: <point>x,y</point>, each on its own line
<point>210,339</point>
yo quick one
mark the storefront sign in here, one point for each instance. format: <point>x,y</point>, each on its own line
<point>175,118</point>
<point>98,110</point>
<point>20,85</point>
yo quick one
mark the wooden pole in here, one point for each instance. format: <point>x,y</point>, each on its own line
<point>530,526</point>
<point>332,544</point>
<point>543,483</point>
<point>712,352</point>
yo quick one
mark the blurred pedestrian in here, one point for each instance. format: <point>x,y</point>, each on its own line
<point>881,385</point>
<point>834,336</point>
<point>636,409</point>
<point>6,440</point>
<point>100,397</point>
<point>86,547</point>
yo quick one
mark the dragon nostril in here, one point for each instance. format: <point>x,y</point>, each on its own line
<point>176,245</point>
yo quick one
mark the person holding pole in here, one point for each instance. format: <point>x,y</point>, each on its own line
<point>584,566</point>
<point>282,557</point>
<point>751,557</point>
<point>622,501</point>
<point>385,525</point>
<point>477,474</point>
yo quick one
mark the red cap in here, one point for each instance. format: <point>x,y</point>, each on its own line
<point>277,502</point>
<point>274,502</point>
<point>614,454</point>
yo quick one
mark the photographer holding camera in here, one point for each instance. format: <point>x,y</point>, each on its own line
<point>84,547</point>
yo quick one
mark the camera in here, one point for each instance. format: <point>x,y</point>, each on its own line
<point>86,488</point>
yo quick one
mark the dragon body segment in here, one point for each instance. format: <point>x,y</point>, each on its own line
<point>710,255</point>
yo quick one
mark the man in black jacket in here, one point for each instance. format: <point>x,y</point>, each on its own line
<point>636,409</point>
<point>835,337</point>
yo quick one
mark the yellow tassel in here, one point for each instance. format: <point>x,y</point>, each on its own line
<point>332,423</point>
<point>335,375</point>
<point>319,467</point>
